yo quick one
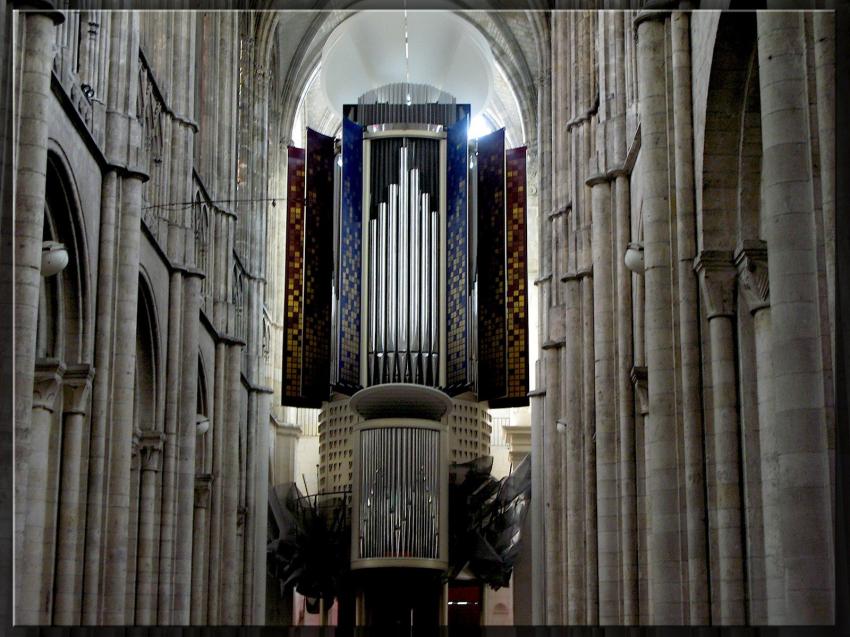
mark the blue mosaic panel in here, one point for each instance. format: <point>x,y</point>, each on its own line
<point>457,241</point>
<point>351,224</point>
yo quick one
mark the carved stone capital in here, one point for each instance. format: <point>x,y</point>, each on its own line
<point>639,378</point>
<point>751,263</point>
<point>47,381</point>
<point>203,482</point>
<point>76,387</point>
<point>151,444</point>
<point>716,273</point>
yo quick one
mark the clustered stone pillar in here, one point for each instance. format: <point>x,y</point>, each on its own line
<point>605,408</point>
<point>798,427</point>
<point>751,262</point>
<point>186,437</point>
<point>34,607</point>
<point>123,391</point>
<point>717,280</point>
<point>151,445</point>
<point>551,492</point>
<point>664,553</point>
<point>573,477</point>
<point>689,337</point>
<point>77,392</point>
<point>29,188</point>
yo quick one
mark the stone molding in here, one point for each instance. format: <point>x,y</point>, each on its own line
<point>597,179</point>
<point>578,275</point>
<point>47,382</point>
<point>640,380</point>
<point>151,444</point>
<point>752,266</point>
<point>76,386</point>
<point>717,273</point>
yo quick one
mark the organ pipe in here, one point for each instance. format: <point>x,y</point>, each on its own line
<point>403,310</point>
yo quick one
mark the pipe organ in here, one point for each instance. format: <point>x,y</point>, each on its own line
<point>408,264</point>
<point>406,289</point>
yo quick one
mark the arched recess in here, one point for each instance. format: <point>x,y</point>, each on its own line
<point>728,210</point>
<point>148,392</point>
<point>64,328</point>
<point>203,448</point>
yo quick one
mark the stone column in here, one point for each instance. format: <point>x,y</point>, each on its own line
<point>199,548</point>
<point>799,422</point>
<point>552,483</point>
<point>689,336</point>
<point>29,184</point>
<point>261,506</point>
<point>33,598</point>
<point>588,398</point>
<point>751,262</point>
<point>173,375</point>
<point>101,397</point>
<point>186,438</point>
<point>717,282</point>
<point>625,401</point>
<point>151,446</point>
<point>666,604</point>
<point>231,608</point>
<point>604,383</point>
<point>66,604</point>
<point>538,580</point>
<point>573,473</point>
<point>824,36</point>
<point>123,392</point>
<point>221,397</point>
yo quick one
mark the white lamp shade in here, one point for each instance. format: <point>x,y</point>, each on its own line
<point>54,258</point>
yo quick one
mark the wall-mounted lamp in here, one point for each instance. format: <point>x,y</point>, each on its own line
<point>202,424</point>
<point>634,257</point>
<point>54,258</point>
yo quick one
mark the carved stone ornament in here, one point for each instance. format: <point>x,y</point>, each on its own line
<point>639,378</point>
<point>76,387</point>
<point>717,282</point>
<point>751,263</point>
<point>47,382</point>
<point>150,447</point>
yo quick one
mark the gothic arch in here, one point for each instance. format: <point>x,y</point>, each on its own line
<point>148,362</point>
<point>728,201</point>
<point>65,316</point>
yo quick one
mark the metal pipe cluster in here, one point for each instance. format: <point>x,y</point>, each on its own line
<point>403,278</point>
<point>399,487</point>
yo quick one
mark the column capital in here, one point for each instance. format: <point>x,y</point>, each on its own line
<point>752,266</point>
<point>203,481</point>
<point>76,386</point>
<point>639,378</point>
<point>47,382</point>
<point>716,272</point>
<point>151,444</point>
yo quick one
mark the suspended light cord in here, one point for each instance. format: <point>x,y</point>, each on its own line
<point>406,55</point>
<point>185,205</point>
